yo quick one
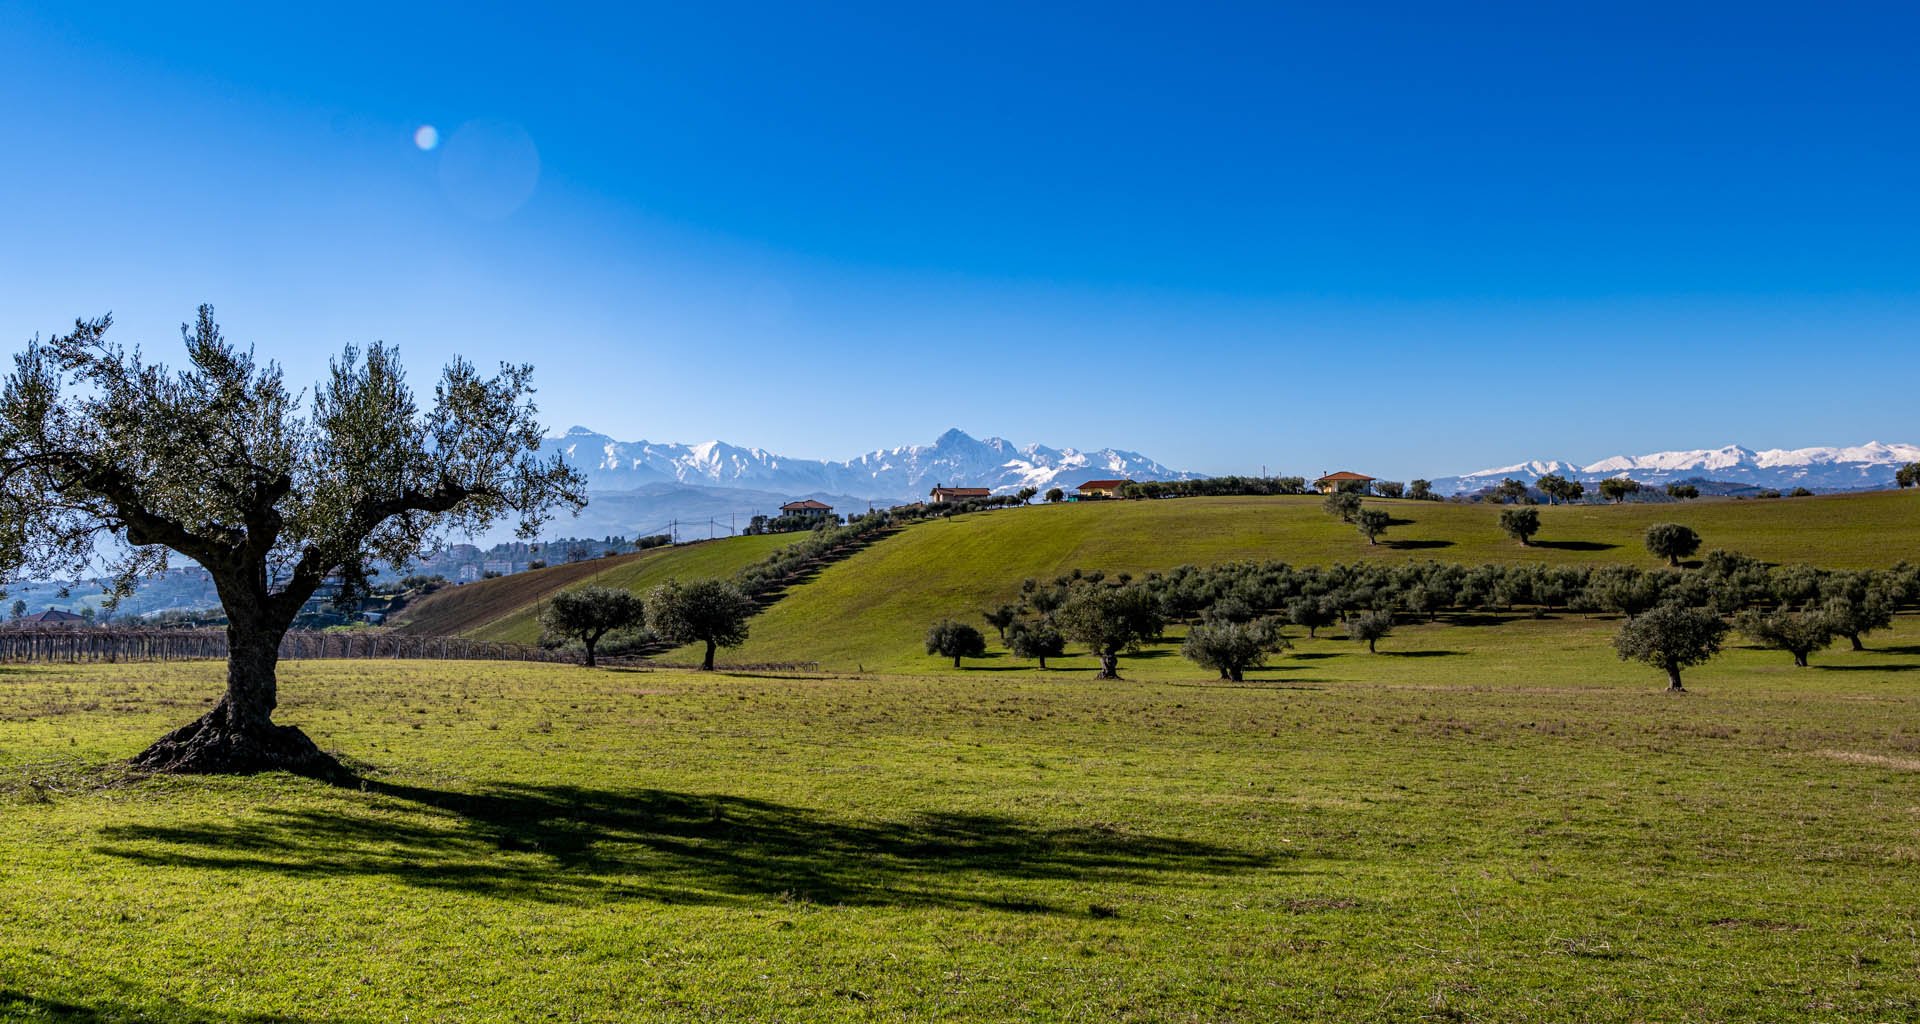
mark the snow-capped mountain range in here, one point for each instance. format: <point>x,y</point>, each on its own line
<point>954,458</point>
<point>1860,467</point>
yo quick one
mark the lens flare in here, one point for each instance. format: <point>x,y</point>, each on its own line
<point>426,136</point>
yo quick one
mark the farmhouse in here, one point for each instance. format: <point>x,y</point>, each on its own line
<point>1102,488</point>
<point>50,617</point>
<point>959,493</point>
<point>1342,481</point>
<point>807,508</point>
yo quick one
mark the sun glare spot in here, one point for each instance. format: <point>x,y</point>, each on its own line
<point>426,136</point>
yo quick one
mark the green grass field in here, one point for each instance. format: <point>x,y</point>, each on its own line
<point>871,610</point>
<point>1490,823</point>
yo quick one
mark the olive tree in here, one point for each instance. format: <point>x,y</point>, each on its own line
<point>588,614</point>
<point>1559,489</point>
<point>951,639</point>
<point>1372,522</point>
<point>1311,612</point>
<point>1233,647</point>
<point>1112,621</point>
<point>1682,492</point>
<point>1000,618</point>
<point>1342,505</point>
<point>1370,628</point>
<point>1510,491</point>
<point>1055,495</point>
<point>1671,637</point>
<point>710,612</point>
<point>1036,640</point>
<point>1520,524</point>
<point>1420,490</point>
<point>1671,541</point>
<point>1908,475</point>
<point>107,460</point>
<point>1619,488</point>
<point>1799,633</point>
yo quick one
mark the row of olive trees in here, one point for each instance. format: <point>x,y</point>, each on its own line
<point>1237,612</point>
<point>710,612</point>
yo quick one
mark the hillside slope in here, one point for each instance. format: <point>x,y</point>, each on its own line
<point>507,608</point>
<point>871,609</point>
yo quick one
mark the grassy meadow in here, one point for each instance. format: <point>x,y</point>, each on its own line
<point>1492,819</point>
<point>1489,823</point>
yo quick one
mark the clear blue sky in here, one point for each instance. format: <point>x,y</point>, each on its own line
<point>1412,239</point>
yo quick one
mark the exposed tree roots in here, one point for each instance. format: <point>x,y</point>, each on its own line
<point>213,746</point>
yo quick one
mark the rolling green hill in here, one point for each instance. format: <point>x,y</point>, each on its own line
<point>507,609</point>
<point>870,610</point>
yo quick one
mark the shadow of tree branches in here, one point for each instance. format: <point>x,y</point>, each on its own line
<point>558,843</point>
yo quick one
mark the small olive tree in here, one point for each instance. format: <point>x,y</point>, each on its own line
<point>1799,633</point>
<point>710,612</point>
<point>1672,541</point>
<point>952,639</point>
<point>1231,648</point>
<point>1372,523</point>
<point>1370,628</point>
<point>1342,505</point>
<point>1520,524</point>
<point>587,614</point>
<point>1000,618</point>
<point>1036,640</point>
<point>105,457</point>
<point>1671,637</point>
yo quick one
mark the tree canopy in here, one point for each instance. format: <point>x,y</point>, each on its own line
<point>710,612</point>
<point>1672,541</point>
<point>1671,637</point>
<point>952,639</point>
<point>588,614</point>
<point>1520,523</point>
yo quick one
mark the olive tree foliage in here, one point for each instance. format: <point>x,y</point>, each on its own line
<point>1055,495</point>
<point>1671,541</point>
<point>1002,617</point>
<point>588,614</point>
<point>1370,628</point>
<point>1342,505</point>
<point>709,612</point>
<point>1421,490</point>
<point>1111,621</point>
<point>1390,488</point>
<point>1671,637</point>
<point>1799,633</point>
<point>1372,523</point>
<point>1520,523</point>
<point>1908,475</point>
<point>952,639</point>
<point>1231,648</point>
<point>1560,490</point>
<point>1036,640</point>
<point>1619,488</point>
<point>1314,613</point>
<point>110,461</point>
<point>1510,491</point>
<point>1858,603</point>
<point>1682,492</point>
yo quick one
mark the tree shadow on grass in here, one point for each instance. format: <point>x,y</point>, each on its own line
<point>1574,545</point>
<point>1421,654</point>
<point>17,1005</point>
<point>559,844</point>
<point>1867,668</point>
<point>1417,545</point>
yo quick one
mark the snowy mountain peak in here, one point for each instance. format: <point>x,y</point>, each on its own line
<point>955,457</point>
<point>1859,467</point>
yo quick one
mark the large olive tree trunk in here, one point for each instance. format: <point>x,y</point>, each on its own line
<point>239,735</point>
